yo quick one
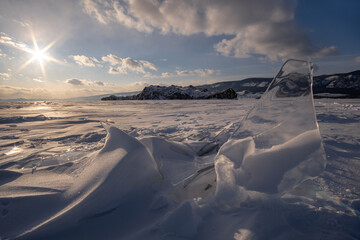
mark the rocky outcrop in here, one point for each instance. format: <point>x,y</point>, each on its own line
<point>227,94</point>
<point>176,92</point>
<point>111,97</point>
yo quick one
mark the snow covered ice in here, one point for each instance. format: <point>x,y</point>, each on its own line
<point>207,169</point>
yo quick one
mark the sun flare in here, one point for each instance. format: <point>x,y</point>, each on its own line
<point>39,55</point>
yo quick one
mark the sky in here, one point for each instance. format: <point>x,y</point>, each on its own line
<point>71,48</point>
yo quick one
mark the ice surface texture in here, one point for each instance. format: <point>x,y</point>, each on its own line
<point>278,144</point>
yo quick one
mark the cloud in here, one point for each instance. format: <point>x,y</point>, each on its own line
<point>149,65</point>
<point>117,70</point>
<point>199,72</point>
<point>23,23</point>
<point>133,65</point>
<point>112,59</point>
<point>75,81</point>
<point>357,59</point>
<point>166,75</point>
<point>163,75</point>
<point>118,65</point>
<point>92,8</point>
<point>136,86</point>
<point>124,65</point>
<point>5,76</point>
<point>83,82</point>
<point>112,11</point>
<point>84,60</point>
<point>38,80</point>
<point>273,40</point>
<point>252,28</point>
<point>6,40</point>
<point>99,83</point>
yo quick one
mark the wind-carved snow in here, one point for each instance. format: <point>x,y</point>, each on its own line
<point>177,174</point>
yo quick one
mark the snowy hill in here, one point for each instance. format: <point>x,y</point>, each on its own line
<point>334,85</point>
<point>341,83</point>
<point>253,85</point>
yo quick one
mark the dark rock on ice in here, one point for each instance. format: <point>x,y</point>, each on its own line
<point>176,92</point>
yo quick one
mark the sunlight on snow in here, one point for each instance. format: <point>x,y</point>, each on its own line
<point>13,151</point>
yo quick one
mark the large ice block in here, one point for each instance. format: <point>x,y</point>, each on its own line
<point>278,144</point>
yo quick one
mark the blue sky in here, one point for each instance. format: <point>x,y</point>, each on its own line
<point>91,47</point>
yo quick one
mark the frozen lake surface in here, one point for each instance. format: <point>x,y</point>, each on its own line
<point>45,146</point>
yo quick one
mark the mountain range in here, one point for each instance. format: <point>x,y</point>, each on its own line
<point>339,85</point>
<point>334,85</point>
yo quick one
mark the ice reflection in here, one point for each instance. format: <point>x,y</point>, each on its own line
<point>285,111</point>
<point>293,80</point>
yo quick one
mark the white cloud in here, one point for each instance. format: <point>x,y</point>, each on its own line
<point>38,80</point>
<point>199,72</point>
<point>163,75</point>
<point>124,65</point>
<point>6,40</point>
<point>112,59</point>
<point>23,23</point>
<point>149,65</point>
<point>166,75</point>
<point>112,11</point>
<point>357,59</point>
<point>133,65</point>
<point>84,60</point>
<point>5,76</point>
<point>92,8</point>
<point>136,86</point>
<point>117,70</point>
<point>258,27</point>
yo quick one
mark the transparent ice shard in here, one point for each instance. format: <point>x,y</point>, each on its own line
<point>285,110</point>
<point>278,144</point>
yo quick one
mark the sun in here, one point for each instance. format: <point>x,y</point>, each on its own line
<point>40,55</point>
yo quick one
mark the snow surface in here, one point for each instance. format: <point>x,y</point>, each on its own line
<point>209,169</point>
<point>45,160</point>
